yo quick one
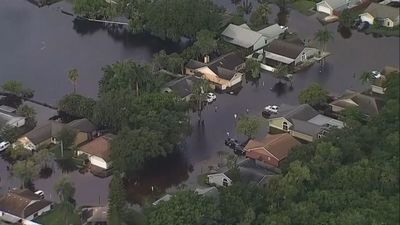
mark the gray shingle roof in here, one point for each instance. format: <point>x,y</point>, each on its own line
<point>193,64</point>
<point>272,31</point>
<point>339,4</point>
<point>283,48</point>
<point>241,35</point>
<point>183,86</point>
<point>306,127</point>
<point>366,104</point>
<point>301,112</point>
<point>383,11</point>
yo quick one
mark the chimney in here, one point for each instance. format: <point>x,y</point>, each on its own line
<point>206,59</point>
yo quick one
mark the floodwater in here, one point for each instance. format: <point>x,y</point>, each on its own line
<point>39,46</point>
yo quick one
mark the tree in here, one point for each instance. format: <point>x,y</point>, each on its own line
<point>117,201</point>
<point>18,152</point>
<point>281,72</point>
<point>248,126</point>
<point>131,148</point>
<point>259,18</point>
<point>77,106</point>
<point>26,171</point>
<point>200,90</point>
<point>93,9</point>
<point>253,68</point>
<point>347,18</point>
<point>29,113</point>
<point>67,137</point>
<point>13,86</point>
<point>9,133</point>
<point>65,191</point>
<point>73,76</point>
<point>314,95</point>
<point>205,42</point>
<point>173,62</point>
<point>43,158</point>
<point>186,207</point>
<point>323,36</point>
<point>173,19</point>
<point>127,75</point>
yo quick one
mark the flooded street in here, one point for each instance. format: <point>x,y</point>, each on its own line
<point>39,46</point>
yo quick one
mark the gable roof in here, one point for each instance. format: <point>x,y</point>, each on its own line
<point>7,114</point>
<point>365,103</point>
<point>272,31</point>
<point>306,127</point>
<point>241,35</point>
<point>225,65</point>
<point>283,48</point>
<point>183,86</point>
<point>100,147</point>
<point>301,112</point>
<point>22,203</point>
<point>382,11</point>
<point>279,145</point>
<point>338,4</point>
<point>82,125</point>
<point>38,135</point>
<point>194,64</point>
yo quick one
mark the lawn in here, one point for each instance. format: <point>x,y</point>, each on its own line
<point>385,31</point>
<point>305,7</point>
<point>56,216</point>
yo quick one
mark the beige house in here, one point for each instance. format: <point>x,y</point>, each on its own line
<point>47,134</point>
<point>384,15</point>
<point>303,122</point>
<point>223,72</point>
<point>368,105</point>
<point>98,151</point>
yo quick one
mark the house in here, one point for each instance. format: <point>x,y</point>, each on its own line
<point>20,205</point>
<point>219,179</point>
<point>368,105</point>
<point>333,7</point>
<point>378,84</point>
<point>47,134</point>
<point>288,53</point>
<point>9,118</point>
<point>384,15</point>
<point>98,151</point>
<point>244,37</point>
<point>223,72</point>
<point>182,87</point>
<point>94,215</point>
<point>303,122</point>
<point>272,149</point>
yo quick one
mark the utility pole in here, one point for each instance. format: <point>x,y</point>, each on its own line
<point>62,149</point>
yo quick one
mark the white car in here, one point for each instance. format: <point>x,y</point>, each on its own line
<point>40,193</point>
<point>211,97</point>
<point>271,109</point>
<point>376,74</point>
<point>4,145</point>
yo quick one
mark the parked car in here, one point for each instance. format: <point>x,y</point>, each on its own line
<point>356,23</point>
<point>40,193</point>
<point>230,142</point>
<point>271,108</point>
<point>211,97</point>
<point>266,114</point>
<point>376,74</point>
<point>363,26</point>
<point>239,150</point>
<point>4,145</point>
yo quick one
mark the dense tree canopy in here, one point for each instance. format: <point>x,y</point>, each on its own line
<point>77,106</point>
<point>313,95</point>
<point>185,208</point>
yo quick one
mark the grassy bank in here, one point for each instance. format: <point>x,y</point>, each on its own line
<point>56,216</point>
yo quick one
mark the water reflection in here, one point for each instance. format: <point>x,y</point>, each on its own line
<point>157,176</point>
<point>345,32</point>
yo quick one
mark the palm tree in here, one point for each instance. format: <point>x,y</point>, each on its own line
<point>200,90</point>
<point>323,36</point>
<point>281,72</point>
<point>65,191</point>
<point>73,76</point>
<point>264,11</point>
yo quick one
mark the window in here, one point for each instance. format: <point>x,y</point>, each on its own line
<point>285,126</point>
<point>225,182</point>
<point>269,158</point>
<point>303,56</point>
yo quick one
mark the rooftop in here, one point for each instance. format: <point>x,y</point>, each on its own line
<point>283,48</point>
<point>382,11</point>
<point>241,35</point>
<point>100,147</point>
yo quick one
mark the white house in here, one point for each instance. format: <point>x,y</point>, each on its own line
<point>22,205</point>
<point>98,151</point>
<point>288,53</point>
<point>9,118</point>
<point>219,179</point>
<point>331,7</point>
<point>244,37</point>
<point>384,15</point>
<point>223,72</point>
